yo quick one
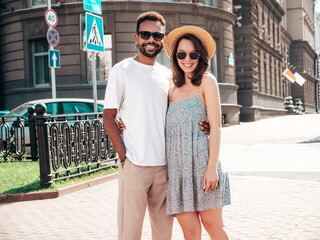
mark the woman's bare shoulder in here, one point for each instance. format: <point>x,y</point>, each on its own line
<point>208,80</point>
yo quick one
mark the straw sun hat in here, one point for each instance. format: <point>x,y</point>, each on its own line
<point>203,35</point>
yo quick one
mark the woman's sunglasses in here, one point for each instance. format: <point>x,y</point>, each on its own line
<point>183,55</point>
<point>157,36</point>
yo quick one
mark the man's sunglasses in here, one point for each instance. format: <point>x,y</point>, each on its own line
<point>157,36</point>
<point>183,55</point>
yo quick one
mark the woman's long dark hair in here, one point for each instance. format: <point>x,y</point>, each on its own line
<point>178,74</point>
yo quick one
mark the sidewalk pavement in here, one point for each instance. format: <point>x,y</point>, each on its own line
<point>263,207</point>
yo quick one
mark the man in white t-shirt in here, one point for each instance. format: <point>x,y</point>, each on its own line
<point>137,89</point>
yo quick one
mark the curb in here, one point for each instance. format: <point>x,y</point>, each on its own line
<point>8,198</point>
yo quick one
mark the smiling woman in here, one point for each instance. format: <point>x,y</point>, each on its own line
<point>194,169</point>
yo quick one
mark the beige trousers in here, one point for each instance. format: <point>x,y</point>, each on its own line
<point>139,188</point>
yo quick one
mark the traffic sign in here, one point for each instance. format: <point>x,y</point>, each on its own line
<point>94,30</point>
<point>51,18</point>
<point>54,58</point>
<point>53,37</point>
<point>92,6</point>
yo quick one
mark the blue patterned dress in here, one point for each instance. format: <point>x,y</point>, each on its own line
<point>187,153</point>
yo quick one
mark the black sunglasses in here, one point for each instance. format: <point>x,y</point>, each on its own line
<point>157,36</point>
<point>183,55</point>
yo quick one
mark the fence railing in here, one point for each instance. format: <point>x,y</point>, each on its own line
<point>65,145</point>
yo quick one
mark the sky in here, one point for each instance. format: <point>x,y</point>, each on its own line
<point>318,6</point>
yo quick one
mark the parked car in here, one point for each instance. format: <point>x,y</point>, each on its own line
<point>54,107</point>
<point>3,113</point>
<point>58,106</point>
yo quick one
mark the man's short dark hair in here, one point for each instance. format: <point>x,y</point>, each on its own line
<point>150,16</point>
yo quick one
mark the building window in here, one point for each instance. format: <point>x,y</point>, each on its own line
<point>279,78</point>
<point>163,59</point>
<point>210,2</point>
<point>270,76</point>
<point>103,60</point>
<point>259,73</point>
<point>263,27</point>
<point>213,67</point>
<point>273,35</point>
<point>40,65</point>
<point>265,78</point>
<point>275,78</point>
<point>39,3</point>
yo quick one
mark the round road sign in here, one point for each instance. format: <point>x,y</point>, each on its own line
<point>53,37</point>
<point>51,18</point>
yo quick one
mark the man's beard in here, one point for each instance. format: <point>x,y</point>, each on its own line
<point>147,54</point>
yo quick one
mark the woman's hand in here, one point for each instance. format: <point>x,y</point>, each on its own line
<point>121,125</point>
<point>211,179</point>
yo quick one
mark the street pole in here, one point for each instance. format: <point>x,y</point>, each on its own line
<point>94,81</point>
<point>53,71</point>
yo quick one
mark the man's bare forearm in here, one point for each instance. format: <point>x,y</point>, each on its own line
<point>113,131</point>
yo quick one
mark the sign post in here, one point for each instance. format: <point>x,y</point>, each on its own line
<point>53,37</point>
<point>94,82</point>
<point>54,58</point>
<point>51,18</point>
<point>53,40</point>
<point>94,43</point>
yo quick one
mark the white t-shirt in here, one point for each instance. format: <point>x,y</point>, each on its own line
<point>139,92</point>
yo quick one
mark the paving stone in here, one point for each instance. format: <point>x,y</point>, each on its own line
<point>283,206</point>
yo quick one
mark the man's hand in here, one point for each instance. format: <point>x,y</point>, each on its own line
<point>204,126</point>
<point>113,131</point>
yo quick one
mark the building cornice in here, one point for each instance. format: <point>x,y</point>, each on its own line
<point>266,47</point>
<point>275,8</point>
<point>304,45</point>
<point>286,34</point>
<point>308,77</point>
<point>162,7</point>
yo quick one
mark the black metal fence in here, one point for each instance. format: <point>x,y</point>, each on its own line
<point>12,140</point>
<point>65,145</point>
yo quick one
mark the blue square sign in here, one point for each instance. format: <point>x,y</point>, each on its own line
<point>92,6</point>
<point>94,31</point>
<point>54,58</point>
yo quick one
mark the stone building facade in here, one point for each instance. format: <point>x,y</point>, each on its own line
<point>270,36</point>
<point>24,71</point>
<point>259,60</point>
<point>256,41</point>
<point>301,26</point>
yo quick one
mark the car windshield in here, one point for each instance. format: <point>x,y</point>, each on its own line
<point>19,111</point>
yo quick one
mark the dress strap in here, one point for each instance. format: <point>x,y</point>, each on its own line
<point>172,93</point>
<point>198,90</point>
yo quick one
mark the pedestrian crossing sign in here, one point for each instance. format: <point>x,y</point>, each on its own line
<point>94,32</point>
